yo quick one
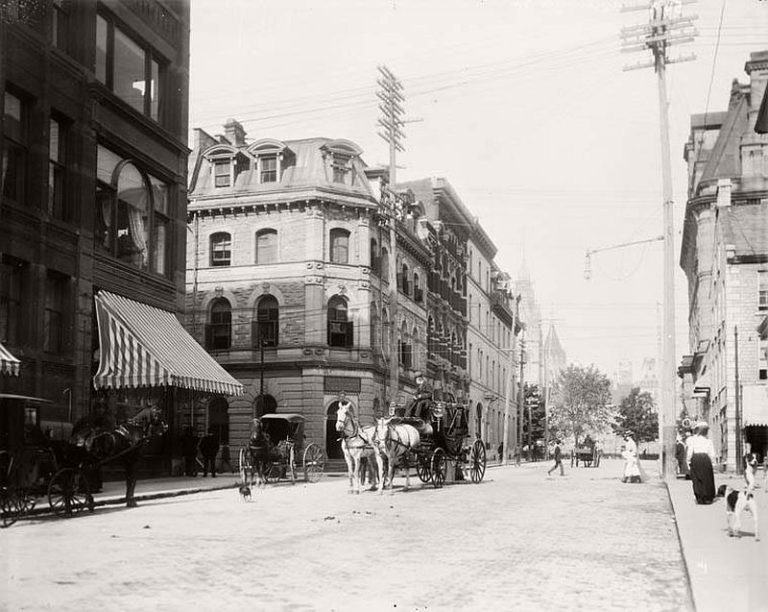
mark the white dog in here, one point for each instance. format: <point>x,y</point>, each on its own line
<point>735,503</point>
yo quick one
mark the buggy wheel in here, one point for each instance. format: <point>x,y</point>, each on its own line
<point>477,461</point>
<point>68,492</point>
<point>244,464</point>
<point>271,472</point>
<point>11,507</point>
<point>314,463</point>
<point>423,467</point>
<point>439,468</point>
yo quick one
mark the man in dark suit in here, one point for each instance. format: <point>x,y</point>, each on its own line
<point>209,448</point>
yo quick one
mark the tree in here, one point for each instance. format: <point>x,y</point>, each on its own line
<point>581,402</point>
<point>637,413</point>
<point>535,404</point>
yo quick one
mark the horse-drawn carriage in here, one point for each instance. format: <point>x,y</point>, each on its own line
<point>443,429</point>
<point>588,453</point>
<point>284,447</point>
<point>34,466</point>
<point>428,434</point>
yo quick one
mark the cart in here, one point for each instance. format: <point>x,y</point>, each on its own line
<point>286,433</point>
<point>34,466</point>
<point>589,455</point>
<point>444,437</point>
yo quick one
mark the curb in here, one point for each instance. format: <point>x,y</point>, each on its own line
<point>689,585</point>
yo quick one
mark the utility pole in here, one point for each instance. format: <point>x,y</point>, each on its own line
<point>521,397</point>
<point>666,26</point>
<point>739,452</point>
<point>390,96</point>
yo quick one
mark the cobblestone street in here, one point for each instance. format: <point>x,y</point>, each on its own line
<point>517,541</point>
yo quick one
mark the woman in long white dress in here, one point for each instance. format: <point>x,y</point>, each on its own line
<point>632,471</point>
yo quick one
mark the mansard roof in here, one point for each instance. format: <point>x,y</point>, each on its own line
<point>745,227</point>
<point>724,161</point>
<point>306,170</point>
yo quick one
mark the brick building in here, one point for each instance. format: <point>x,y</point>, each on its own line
<point>93,204</point>
<point>724,254</point>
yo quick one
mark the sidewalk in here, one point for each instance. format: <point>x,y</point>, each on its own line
<point>724,573</point>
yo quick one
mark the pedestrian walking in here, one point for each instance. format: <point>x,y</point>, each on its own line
<point>558,456</point>
<point>680,456</point>
<point>209,448</point>
<point>632,472</point>
<point>701,454</point>
<point>501,452</point>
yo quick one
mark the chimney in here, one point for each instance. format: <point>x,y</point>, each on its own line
<point>234,132</point>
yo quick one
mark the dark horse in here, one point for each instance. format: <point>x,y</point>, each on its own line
<point>124,443</point>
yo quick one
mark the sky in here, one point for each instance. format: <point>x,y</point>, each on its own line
<point>522,105</point>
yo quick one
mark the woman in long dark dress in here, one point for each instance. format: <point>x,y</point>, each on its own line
<point>701,454</point>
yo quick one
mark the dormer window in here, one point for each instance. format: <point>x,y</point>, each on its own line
<point>272,156</point>
<point>338,154</point>
<point>341,168</point>
<point>222,173</point>
<point>268,169</point>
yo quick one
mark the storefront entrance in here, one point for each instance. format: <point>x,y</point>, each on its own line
<point>332,438</point>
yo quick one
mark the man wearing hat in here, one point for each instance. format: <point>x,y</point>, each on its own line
<point>700,456</point>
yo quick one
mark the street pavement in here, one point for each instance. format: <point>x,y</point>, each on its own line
<point>517,541</point>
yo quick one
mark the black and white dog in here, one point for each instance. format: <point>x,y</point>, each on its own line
<point>736,502</point>
<point>245,492</point>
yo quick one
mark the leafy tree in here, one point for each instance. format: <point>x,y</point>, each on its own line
<point>581,403</point>
<point>637,413</point>
<point>535,403</point>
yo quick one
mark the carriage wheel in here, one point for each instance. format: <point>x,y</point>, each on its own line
<point>423,467</point>
<point>244,464</point>
<point>477,461</point>
<point>11,507</point>
<point>68,492</point>
<point>439,468</point>
<point>314,463</point>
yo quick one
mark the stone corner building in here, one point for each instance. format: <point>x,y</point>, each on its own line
<point>724,254</point>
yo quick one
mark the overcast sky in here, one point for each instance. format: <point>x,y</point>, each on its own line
<point>522,106</point>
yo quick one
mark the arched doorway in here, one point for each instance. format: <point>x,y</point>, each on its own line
<point>218,419</point>
<point>332,441</point>
<point>264,404</point>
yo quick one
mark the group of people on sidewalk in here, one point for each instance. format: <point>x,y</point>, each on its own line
<point>208,447</point>
<point>695,456</point>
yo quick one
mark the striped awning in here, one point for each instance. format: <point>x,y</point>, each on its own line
<point>143,346</point>
<point>754,405</point>
<point>8,363</point>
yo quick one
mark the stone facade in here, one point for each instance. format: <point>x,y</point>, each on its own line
<point>725,256</point>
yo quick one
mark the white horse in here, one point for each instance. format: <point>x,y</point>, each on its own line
<point>395,441</point>
<point>357,443</point>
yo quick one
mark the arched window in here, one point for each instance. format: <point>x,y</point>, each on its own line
<point>431,348</point>
<point>266,327</point>
<point>404,280</point>
<point>132,217</point>
<point>418,293</point>
<point>415,351</point>
<point>375,326</point>
<point>218,333</point>
<point>221,249</point>
<point>405,347</point>
<point>266,246</point>
<point>339,246</point>
<point>384,264</point>
<point>375,257</point>
<point>340,331</point>
<point>385,332</point>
